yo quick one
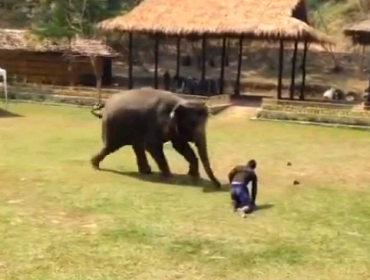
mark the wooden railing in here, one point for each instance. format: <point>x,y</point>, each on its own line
<point>85,94</point>
<point>315,112</point>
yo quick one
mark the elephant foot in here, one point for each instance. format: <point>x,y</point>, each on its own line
<point>166,176</point>
<point>145,171</point>
<point>95,163</point>
<point>194,173</point>
<point>217,185</point>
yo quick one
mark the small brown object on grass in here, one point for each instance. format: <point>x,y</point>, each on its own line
<point>296,182</point>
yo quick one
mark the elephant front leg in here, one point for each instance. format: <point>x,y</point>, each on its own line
<point>141,159</point>
<point>96,159</point>
<point>187,152</point>
<point>156,151</point>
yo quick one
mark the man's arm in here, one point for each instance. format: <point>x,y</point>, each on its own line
<point>232,174</point>
<point>254,189</point>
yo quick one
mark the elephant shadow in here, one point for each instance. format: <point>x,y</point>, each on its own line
<point>183,180</point>
<point>176,180</point>
<point>7,114</point>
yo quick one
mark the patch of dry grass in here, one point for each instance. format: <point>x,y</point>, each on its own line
<point>60,219</point>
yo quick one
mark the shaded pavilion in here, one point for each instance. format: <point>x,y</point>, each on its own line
<point>266,20</point>
<point>359,33</point>
<point>29,58</point>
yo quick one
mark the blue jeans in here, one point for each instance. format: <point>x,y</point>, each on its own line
<point>240,194</point>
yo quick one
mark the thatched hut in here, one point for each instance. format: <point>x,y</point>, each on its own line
<point>254,19</point>
<point>359,32</point>
<point>28,59</point>
<point>275,20</point>
<point>360,35</point>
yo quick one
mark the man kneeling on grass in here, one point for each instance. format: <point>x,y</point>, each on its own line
<point>239,178</point>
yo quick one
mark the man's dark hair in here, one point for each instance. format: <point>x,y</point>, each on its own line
<point>252,164</point>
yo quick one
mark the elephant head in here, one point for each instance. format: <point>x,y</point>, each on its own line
<point>188,119</point>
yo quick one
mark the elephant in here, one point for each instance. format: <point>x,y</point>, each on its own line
<point>145,119</point>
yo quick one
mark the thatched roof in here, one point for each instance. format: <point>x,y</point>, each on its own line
<point>255,19</point>
<point>22,40</point>
<point>359,32</point>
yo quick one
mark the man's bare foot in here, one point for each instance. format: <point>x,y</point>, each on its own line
<point>245,209</point>
<point>242,213</point>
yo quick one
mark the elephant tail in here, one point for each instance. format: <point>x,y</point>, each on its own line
<point>97,107</point>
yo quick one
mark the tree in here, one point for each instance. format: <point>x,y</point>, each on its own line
<point>65,20</point>
<point>60,19</point>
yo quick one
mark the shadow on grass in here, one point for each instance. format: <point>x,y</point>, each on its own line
<point>177,179</point>
<point>7,114</point>
<point>263,207</point>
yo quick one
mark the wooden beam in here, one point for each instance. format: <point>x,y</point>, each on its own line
<point>281,69</point>
<point>130,78</point>
<point>301,96</point>
<point>97,65</point>
<point>222,74</point>
<point>178,41</point>
<point>240,56</point>
<point>156,46</point>
<point>204,58</point>
<point>367,103</point>
<point>294,61</point>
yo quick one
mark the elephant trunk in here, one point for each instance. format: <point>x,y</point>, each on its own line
<point>201,143</point>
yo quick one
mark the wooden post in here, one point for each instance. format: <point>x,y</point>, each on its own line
<point>362,58</point>
<point>281,69</point>
<point>294,60</point>
<point>240,55</point>
<point>156,45</point>
<point>178,41</point>
<point>227,53</point>
<point>107,71</point>
<point>204,57</point>
<point>130,78</point>
<point>222,78</point>
<point>71,71</point>
<point>367,103</point>
<point>97,65</point>
<point>70,58</point>
<point>301,96</point>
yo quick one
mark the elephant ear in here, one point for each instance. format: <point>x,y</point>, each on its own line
<point>191,113</point>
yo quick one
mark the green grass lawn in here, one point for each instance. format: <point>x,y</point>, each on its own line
<point>60,219</point>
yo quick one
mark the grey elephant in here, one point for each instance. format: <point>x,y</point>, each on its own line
<point>147,118</point>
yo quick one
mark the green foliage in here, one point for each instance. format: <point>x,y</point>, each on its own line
<point>331,15</point>
<point>66,19</point>
<point>314,4</point>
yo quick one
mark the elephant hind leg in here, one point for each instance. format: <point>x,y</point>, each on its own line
<point>156,151</point>
<point>97,158</point>
<point>141,159</point>
<point>184,149</point>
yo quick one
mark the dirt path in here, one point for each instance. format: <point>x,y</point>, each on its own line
<point>236,111</point>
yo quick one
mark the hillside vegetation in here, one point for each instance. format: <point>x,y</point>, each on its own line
<point>327,15</point>
<point>331,16</point>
